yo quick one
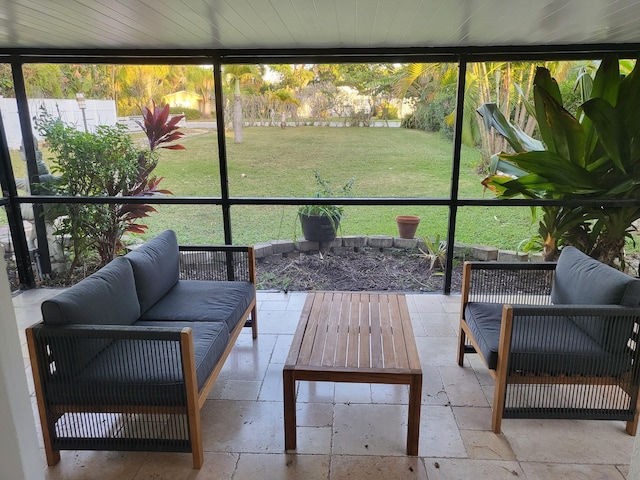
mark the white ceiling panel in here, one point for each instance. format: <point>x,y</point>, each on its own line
<point>298,24</point>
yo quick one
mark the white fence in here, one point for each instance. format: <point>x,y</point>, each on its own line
<point>98,112</point>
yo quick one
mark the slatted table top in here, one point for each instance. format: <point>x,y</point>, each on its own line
<point>354,332</point>
<point>354,337</point>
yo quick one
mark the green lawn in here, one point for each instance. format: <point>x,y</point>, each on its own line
<point>280,162</point>
<point>386,162</point>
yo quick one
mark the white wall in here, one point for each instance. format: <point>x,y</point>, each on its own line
<point>634,468</point>
<point>20,456</point>
<point>98,112</point>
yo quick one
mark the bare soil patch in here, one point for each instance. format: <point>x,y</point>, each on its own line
<point>365,269</point>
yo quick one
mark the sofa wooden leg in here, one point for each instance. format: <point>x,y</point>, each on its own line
<point>254,322</point>
<point>462,339</point>
<point>496,421</point>
<point>53,456</point>
<point>504,348</point>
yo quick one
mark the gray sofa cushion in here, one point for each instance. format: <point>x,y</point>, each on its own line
<point>128,371</point>
<point>108,297</point>
<point>204,301</point>
<point>582,280</point>
<point>156,268</point>
<point>551,345</point>
<point>209,342</point>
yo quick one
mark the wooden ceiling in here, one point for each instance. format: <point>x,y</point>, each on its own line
<point>313,24</point>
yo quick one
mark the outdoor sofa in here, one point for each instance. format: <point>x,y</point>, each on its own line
<point>125,359</point>
<point>560,339</point>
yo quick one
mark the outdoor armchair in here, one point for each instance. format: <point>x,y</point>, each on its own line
<point>560,339</point>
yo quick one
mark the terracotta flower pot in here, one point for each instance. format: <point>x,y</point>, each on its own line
<point>407,225</point>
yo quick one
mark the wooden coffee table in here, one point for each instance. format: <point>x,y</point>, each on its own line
<point>357,338</point>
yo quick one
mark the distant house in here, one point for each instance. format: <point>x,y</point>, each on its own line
<point>184,99</point>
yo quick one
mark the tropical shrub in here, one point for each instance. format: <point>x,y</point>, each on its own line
<point>105,163</point>
<point>593,155</point>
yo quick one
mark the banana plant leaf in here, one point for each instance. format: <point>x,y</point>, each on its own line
<point>544,82</point>
<point>517,139</point>
<point>607,80</point>
<point>611,130</point>
<point>497,165</point>
<point>567,135</point>
<point>628,102</point>
<point>555,169</point>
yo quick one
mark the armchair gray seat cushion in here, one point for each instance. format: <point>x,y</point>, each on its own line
<point>542,344</point>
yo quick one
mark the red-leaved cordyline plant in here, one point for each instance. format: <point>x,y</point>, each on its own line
<point>160,130</point>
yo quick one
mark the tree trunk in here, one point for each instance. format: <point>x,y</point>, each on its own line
<point>237,118</point>
<point>610,251</point>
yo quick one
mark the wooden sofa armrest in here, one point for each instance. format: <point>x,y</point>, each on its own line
<point>63,355</point>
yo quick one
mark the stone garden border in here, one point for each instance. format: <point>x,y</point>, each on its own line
<point>293,248</point>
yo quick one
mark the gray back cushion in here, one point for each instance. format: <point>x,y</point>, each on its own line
<point>580,279</point>
<point>156,268</point>
<point>105,298</point>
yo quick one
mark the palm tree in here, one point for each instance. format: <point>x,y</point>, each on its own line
<point>200,79</point>
<point>142,84</point>
<point>285,98</point>
<point>234,75</point>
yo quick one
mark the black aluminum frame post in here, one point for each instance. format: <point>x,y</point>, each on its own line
<point>32,167</point>
<point>455,173</point>
<point>222,152</point>
<point>14,215</point>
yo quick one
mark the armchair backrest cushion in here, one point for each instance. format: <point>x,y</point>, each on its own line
<point>106,297</point>
<point>582,280</point>
<point>156,268</point>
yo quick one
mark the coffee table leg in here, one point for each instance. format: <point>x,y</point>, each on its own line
<point>289,390</point>
<point>413,426</point>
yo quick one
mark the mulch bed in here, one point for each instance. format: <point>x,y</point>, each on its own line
<point>366,269</point>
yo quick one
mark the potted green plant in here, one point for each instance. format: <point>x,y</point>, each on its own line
<point>321,222</point>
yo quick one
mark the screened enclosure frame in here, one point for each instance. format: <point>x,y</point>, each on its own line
<point>460,56</point>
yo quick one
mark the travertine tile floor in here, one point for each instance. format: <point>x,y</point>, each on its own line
<point>357,431</point>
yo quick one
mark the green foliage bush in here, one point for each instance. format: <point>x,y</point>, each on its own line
<point>105,163</point>
<point>100,163</point>
<point>189,113</point>
<point>430,116</point>
<point>387,111</point>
